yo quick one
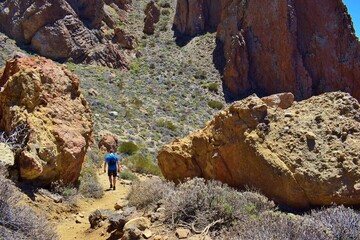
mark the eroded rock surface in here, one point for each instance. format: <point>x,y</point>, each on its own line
<point>152,16</point>
<point>303,47</point>
<point>46,98</point>
<point>307,154</point>
<point>75,30</point>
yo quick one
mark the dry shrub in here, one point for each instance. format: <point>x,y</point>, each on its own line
<point>272,225</point>
<point>19,221</point>
<point>341,222</point>
<point>333,223</point>
<point>89,184</point>
<point>199,204</point>
<point>149,192</point>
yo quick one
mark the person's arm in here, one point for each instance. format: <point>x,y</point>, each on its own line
<point>105,167</point>
<point>118,166</point>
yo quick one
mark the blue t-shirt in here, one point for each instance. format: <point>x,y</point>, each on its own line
<point>111,158</point>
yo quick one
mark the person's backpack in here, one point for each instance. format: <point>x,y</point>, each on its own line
<point>112,160</point>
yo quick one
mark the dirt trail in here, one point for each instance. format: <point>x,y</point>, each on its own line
<point>68,229</point>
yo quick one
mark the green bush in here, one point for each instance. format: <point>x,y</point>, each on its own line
<point>127,175</point>
<point>213,87</point>
<point>164,4</point>
<point>128,147</point>
<point>215,105</point>
<point>166,124</point>
<point>142,164</point>
<point>19,221</point>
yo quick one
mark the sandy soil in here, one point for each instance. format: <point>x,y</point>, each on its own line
<point>69,229</point>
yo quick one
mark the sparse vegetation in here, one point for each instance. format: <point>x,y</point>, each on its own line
<point>225,213</point>
<point>89,186</point>
<point>18,221</point>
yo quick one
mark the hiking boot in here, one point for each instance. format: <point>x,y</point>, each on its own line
<point>110,185</point>
<point>114,188</point>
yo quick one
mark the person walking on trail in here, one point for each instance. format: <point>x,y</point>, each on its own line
<point>112,161</point>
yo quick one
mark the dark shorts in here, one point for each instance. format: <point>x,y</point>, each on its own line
<point>112,173</point>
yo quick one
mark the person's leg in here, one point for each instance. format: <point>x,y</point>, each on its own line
<point>110,180</point>
<point>114,181</point>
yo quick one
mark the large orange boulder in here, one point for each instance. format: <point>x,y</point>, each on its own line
<point>301,156</point>
<point>304,47</point>
<point>37,93</point>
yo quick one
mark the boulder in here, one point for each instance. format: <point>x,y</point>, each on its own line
<point>108,141</point>
<point>281,100</point>
<point>152,16</point>
<point>63,30</point>
<point>310,159</point>
<point>304,47</point>
<point>140,223</point>
<point>46,98</point>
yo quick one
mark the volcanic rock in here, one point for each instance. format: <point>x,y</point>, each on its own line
<point>63,30</point>
<point>300,161</point>
<point>46,98</point>
<point>303,47</point>
<point>152,16</point>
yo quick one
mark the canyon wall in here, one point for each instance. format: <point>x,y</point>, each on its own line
<point>304,47</point>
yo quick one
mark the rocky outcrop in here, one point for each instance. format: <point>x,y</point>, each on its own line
<point>152,16</point>
<point>46,98</point>
<point>307,154</point>
<point>71,30</point>
<point>303,47</point>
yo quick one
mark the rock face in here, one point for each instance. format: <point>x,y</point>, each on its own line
<point>152,16</point>
<point>303,47</point>
<point>45,97</point>
<point>305,155</point>
<point>66,29</point>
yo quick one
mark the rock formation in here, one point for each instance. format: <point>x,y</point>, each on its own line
<point>307,154</point>
<point>152,16</point>
<point>46,98</point>
<point>303,47</point>
<point>71,30</point>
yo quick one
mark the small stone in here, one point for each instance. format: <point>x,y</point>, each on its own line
<point>121,204</point>
<point>141,223</point>
<point>158,237</point>
<point>78,219</point>
<point>93,92</point>
<point>81,215</point>
<point>357,187</point>
<point>182,233</point>
<point>310,136</point>
<point>147,233</point>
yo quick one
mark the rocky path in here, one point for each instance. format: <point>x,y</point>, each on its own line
<point>69,229</point>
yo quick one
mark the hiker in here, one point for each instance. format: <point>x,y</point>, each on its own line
<point>113,168</point>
